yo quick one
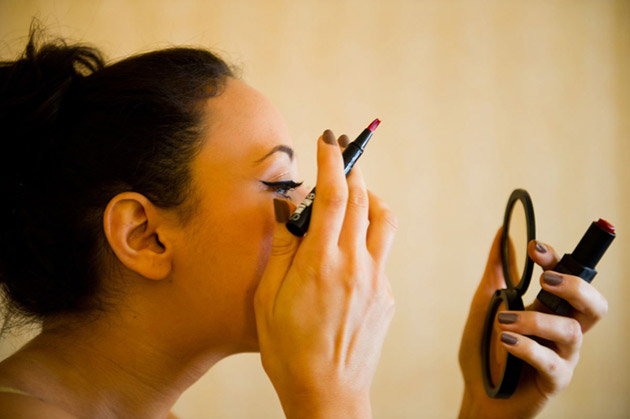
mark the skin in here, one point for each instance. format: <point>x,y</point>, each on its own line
<point>234,280</point>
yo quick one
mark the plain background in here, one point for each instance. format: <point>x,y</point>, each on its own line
<point>477,98</point>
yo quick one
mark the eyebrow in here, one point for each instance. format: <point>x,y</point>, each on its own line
<point>283,148</point>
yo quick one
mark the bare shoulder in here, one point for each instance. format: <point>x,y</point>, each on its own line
<point>18,406</point>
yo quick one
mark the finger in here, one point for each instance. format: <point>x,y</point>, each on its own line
<point>589,304</point>
<point>283,248</point>
<point>343,141</point>
<point>355,224</point>
<point>555,372</point>
<point>332,192</point>
<point>542,254</point>
<point>381,230</point>
<point>564,332</point>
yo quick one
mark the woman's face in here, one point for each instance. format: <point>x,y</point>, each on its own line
<point>223,249</point>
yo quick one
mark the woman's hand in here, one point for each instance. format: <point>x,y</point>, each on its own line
<point>548,343</point>
<point>324,304</point>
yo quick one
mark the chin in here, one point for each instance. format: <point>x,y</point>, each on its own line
<point>248,339</point>
<point>253,347</point>
<point>250,343</point>
<point>245,346</point>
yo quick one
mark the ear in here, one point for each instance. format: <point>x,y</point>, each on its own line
<point>136,232</point>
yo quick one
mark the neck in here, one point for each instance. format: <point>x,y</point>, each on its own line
<point>107,369</point>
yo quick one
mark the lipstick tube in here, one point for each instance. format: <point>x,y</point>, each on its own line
<point>581,262</point>
<point>301,218</point>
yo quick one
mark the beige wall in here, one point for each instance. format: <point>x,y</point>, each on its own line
<point>476,98</point>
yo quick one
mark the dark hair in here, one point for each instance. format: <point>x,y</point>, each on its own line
<point>76,132</point>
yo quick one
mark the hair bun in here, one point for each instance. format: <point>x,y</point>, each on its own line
<point>33,91</point>
<point>35,85</point>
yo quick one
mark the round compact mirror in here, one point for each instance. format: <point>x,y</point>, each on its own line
<point>501,370</point>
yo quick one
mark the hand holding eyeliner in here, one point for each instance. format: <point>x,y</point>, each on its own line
<point>581,262</point>
<point>300,219</point>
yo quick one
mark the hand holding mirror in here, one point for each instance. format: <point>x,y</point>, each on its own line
<point>500,369</point>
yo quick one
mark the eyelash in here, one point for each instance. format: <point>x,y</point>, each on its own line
<point>282,188</point>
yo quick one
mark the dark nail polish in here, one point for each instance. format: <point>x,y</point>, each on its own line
<point>540,248</point>
<point>551,278</point>
<point>509,339</point>
<point>507,318</point>
<point>343,141</point>
<point>329,137</point>
<point>281,209</point>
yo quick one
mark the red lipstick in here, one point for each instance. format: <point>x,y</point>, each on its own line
<point>374,124</point>
<point>606,226</point>
<point>581,262</point>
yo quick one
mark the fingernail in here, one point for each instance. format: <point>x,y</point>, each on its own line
<point>343,141</point>
<point>540,248</point>
<point>507,318</point>
<point>509,339</point>
<point>551,278</point>
<point>329,137</point>
<point>281,209</point>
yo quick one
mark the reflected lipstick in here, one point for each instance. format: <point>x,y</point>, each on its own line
<point>300,219</point>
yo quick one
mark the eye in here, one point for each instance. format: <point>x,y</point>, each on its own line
<point>282,188</point>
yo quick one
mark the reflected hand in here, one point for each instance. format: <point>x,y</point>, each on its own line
<point>324,304</point>
<point>548,343</point>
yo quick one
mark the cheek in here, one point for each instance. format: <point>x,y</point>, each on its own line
<point>218,269</point>
<point>237,242</point>
<point>256,231</point>
<point>265,238</point>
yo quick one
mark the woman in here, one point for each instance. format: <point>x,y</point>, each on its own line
<point>140,232</point>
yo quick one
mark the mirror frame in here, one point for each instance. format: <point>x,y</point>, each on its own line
<point>522,196</point>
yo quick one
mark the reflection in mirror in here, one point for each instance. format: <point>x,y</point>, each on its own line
<point>517,251</point>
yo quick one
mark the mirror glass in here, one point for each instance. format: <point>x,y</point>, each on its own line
<point>517,249</point>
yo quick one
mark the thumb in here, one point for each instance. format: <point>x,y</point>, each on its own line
<point>283,248</point>
<point>492,279</point>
